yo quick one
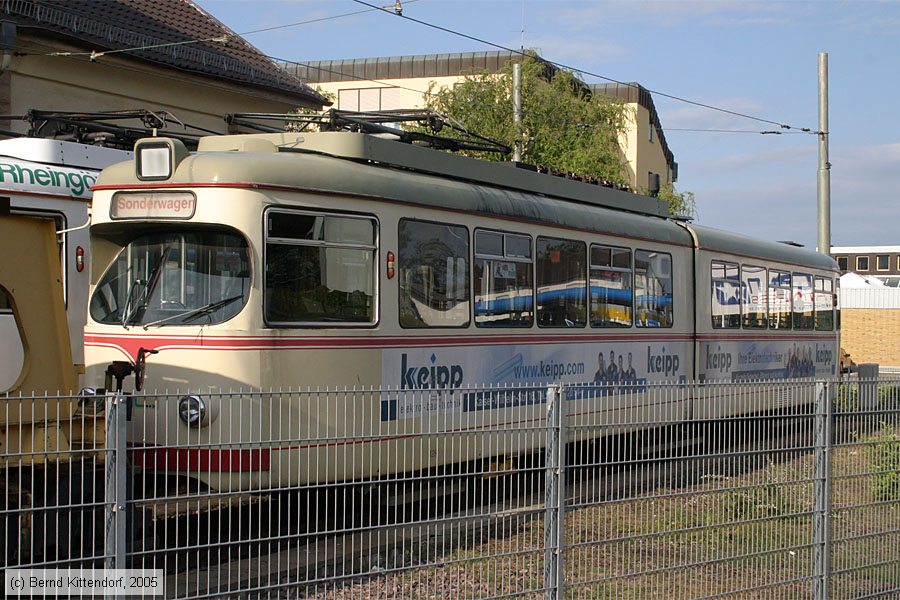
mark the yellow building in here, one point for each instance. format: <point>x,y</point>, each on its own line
<point>135,54</point>
<point>401,82</point>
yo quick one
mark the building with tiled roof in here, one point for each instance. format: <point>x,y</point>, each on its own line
<point>83,55</point>
<point>395,82</point>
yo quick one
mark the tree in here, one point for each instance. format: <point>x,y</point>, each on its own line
<point>564,126</point>
<point>680,203</point>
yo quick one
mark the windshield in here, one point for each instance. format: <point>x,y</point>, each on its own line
<point>167,279</point>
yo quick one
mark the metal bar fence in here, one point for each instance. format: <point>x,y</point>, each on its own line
<point>775,489</point>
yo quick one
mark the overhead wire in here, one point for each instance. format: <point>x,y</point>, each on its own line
<point>754,131</point>
<point>93,55</point>
<point>603,77</point>
<point>248,91</point>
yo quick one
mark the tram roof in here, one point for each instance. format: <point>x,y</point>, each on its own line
<point>382,169</point>
<point>726,242</point>
<point>367,166</point>
<point>375,149</point>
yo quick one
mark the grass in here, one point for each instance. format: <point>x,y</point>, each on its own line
<point>726,533</point>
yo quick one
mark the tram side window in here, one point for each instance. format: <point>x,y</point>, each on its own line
<point>561,283</point>
<point>320,268</point>
<point>726,295</point>
<point>503,280</point>
<point>754,284</point>
<point>824,299</point>
<point>433,269</point>
<point>779,300</point>
<point>611,287</point>
<point>653,289</point>
<point>804,314</point>
<point>837,303</point>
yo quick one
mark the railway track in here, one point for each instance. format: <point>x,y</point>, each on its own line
<point>357,531</point>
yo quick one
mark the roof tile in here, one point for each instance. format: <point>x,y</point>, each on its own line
<point>166,24</point>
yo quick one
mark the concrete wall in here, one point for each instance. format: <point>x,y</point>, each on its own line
<point>643,154</point>
<point>872,335</point>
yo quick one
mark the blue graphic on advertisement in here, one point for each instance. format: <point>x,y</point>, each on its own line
<point>743,361</point>
<point>435,382</point>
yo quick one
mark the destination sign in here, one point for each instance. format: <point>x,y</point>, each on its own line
<point>47,179</point>
<point>153,205</point>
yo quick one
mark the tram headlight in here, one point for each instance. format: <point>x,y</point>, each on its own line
<point>192,410</point>
<point>157,158</point>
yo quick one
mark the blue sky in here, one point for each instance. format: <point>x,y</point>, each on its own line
<point>753,57</point>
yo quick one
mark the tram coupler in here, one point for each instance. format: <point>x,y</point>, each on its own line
<point>118,370</point>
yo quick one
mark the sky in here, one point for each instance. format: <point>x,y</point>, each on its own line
<point>758,58</point>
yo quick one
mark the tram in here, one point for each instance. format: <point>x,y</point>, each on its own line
<point>51,179</point>
<point>333,259</point>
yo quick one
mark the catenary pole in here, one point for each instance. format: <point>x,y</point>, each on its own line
<point>824,174</point>
<point>517,110</point>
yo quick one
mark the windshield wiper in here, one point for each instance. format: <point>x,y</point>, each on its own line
<point>192,314</point>
<point>129,307</point>
<point>132,314</point>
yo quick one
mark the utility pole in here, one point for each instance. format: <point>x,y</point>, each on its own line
<point>517,110</point>
<point>824,174</point>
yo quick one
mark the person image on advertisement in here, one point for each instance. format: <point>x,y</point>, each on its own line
<point>630,375</point>
<point>600,375</point>
<point>612,371</point>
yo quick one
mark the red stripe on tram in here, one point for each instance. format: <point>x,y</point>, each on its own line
<point>205,460</point>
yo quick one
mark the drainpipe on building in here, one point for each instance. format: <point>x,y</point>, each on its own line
<point>7,44</point>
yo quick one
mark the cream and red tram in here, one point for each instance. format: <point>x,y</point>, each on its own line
<point>324,260</point>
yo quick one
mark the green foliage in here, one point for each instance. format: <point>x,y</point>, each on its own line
<point>888,399</point>
<point>847,400</point>
<point>563,126</point>
<point>884,457</point>
<point>305,110</point>
<point>680,203</point>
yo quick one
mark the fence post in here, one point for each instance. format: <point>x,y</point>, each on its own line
<point>822,494</point>
<point>554,501</point>
<point>867,375</point>
<point>116,480</point>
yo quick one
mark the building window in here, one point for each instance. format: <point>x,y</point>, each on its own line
<point>561,283</point>
<point>503,280</point>
<point>653,184</point>
<point>370,99</point>
<point>883,262</point>
<point>842,263</point>
<point>434,274</point>
<point>348,100</point>
<point>862,263</point>
<point>650,136</point>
